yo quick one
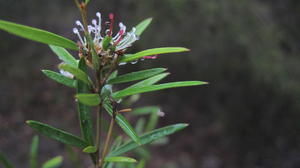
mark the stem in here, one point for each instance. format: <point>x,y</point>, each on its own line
<point>98,133</point>
<point>99,121</point>
<point>107,141</point>
<point>83,11</point>
<point>111,70</point>
<point>99,117</point>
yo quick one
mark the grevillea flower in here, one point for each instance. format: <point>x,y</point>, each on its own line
<point>119,41</point>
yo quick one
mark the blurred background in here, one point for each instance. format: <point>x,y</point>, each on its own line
<point>248,50</point>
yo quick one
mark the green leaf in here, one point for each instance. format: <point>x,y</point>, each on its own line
<point>106,42</point>
<point>53,163</point>
<point>87,1</point>
<point>113,75</point>
<point>142,152</point>
<point>118,141</point>
<point>136,90</point>
<point>153,51</point>
<point>60,78</point>
<point>144,110</point>
<point>140,28</point>
<point>123,123</point>
<point>34,152</point>
<point>5,162</point>
<point>153,111</point>
<point>141,164</point>
<point>89,99</point>
<point>73,156</point>
<point>140,125</point>
<point>149,81</point>
<point>84,111</point>
<point>57,134</point>
<point>133,76</point>
<point>152,121</point>
<point>120,159</point>
<point>38,35</point>
<point>90,149</point>
<point>79,74</point>
<point>148,138</point>
<point>95,56</point>
<point>64,55</point>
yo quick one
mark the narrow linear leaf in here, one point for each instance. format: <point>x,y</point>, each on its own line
<point>141,27</point>
<point>34,152</point>
<point>73,156</point>
<point>113,75</point>
<point>53,163</point>
<point>144,110</point>
<point>118,141</point>
<point>64,55</point>
<point>120,159</point>
<point>84,111</point>
<point>38,35</point>
<point>153,51</point>
<point>133,76</point>
<point>57,134</point>
<point>5,162</point>
<point>105,42</point>
<point>143,152</point>
<point>60,78</point>
<point>90,149</point>
<point>152,121</point>
<point>149,81</point>
<point>88,99</point>
<point>136,90</point>
<point>123,123</point>
<point>79,74</point>
<point>148,138</point>
<point>141,164</point>
<point>140,125</point>
<point>159,142</point>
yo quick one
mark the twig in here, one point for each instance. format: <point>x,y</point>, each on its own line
<point>109,134</point>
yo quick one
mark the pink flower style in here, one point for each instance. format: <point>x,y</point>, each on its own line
<point>121,41</point>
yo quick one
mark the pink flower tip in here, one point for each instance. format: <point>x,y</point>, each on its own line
<point>111,16</point>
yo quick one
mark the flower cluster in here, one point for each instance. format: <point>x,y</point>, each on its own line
<point>119,42</point>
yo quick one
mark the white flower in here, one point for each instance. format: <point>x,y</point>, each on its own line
<point>120,41</point>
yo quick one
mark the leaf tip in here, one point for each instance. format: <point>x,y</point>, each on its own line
<point>150,19</point>
<point>90,149</point>
<point>185,49</point>
<point>28,122</point>
<point>185,125</point>
<point>45,71</point>
<point>60,66</point>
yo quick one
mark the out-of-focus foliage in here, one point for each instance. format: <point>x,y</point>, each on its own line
<point>247,50</point>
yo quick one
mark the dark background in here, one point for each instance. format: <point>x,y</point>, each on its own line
<point>248,117</point>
